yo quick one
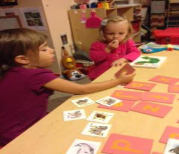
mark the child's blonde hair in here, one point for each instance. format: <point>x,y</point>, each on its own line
<point>20,41</point>
<point>115,19</point>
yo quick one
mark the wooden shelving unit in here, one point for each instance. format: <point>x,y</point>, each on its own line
<point>173,13</point>
<point>83,36</point>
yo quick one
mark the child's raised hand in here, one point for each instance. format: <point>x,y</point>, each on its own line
<point>125,79</point>
<point>119,62</point>
<point>112,45</point>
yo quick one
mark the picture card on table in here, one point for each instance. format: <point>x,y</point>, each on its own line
<point>126,68</point>
<point>158,97</point>
<point>83,102</point>
<point>152,109</point>
<point>100,116</point>
<point>124,106</point>
<point>170,132</point>
<point>148,61</point>
<point>96,129</point>
<point>127,95</point>
<point>84,146</point>
<point>172,146</point>
<point>122,144</point>
<point>74,115</point>
<point>164,79</point>
<point>173,88</point>
<point>108,101</point>
<point>140,86</point>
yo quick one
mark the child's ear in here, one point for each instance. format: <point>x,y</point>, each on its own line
<point>21,59</point>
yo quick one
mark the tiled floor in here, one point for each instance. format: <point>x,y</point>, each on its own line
<point>58,98</point>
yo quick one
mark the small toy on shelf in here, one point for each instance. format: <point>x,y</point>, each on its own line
<point>71,72</point>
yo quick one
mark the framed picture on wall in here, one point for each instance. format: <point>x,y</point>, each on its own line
<point>8,2</point>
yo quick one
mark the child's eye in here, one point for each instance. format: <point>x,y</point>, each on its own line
<point>44,50</point>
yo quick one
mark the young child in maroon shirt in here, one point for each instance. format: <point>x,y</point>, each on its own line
<point>26,84</point>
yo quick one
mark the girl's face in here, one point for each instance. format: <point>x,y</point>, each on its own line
<point>46,56</point>
<point>116,31</point>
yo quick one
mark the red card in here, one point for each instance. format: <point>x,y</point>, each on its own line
<point>122,106</point>
<point>164,79</point>
<point>170,132</point>
<point>173,88</point>
<point>126,68</point>
<point>122,144</point>
<point>140,86</point>
<point>127,95</point>
<point>158,97</point>
<point>152,109</point>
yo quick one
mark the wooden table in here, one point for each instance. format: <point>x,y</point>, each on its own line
<point>52,135</point>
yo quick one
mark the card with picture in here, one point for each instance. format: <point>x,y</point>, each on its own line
<point>83,102</point>
<point>84,146</point>
<point>96,129</point>
<point>108,101</point>
<point>172,146</point>
<point>100,116</point>
<point>74,115</point>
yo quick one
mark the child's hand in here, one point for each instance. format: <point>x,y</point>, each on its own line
<point>112,45</point>
<point>119,62</point>
<point>125,79</point>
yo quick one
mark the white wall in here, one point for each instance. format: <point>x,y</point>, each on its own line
<point>58,23</point>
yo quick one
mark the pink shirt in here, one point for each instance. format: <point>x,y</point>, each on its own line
<point>103,60</point>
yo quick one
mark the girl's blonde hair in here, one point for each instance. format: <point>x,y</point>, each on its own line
<point>115,19</point>
<point>20,41</point>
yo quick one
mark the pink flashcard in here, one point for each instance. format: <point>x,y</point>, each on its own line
<point>126,68</point>
<point>173,88</point>
<point>152,109</point>
<point>170,132</point>
<point>164,79</point>
<point>158,97</point>
<point>123,144</point>
<point>140,85</point>
<point>124,106</point>
<point>127,95</point>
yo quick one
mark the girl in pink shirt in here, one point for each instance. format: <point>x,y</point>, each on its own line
<point>115,48</point>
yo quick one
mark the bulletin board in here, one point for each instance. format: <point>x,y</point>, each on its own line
<point>9,22</point>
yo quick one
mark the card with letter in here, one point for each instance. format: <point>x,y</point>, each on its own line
<point>140,86</point>
<point>164,79</point>
<point>173,88</point>
<point>100,116</point>
<point>84,146</point>
<point>83,102</point>
<point>96,129</point>
<point>124,106</point>
<point>152,109</point>
<point>126,68</point>
<point>127,95</point>
<point>158,97</point>
<point>108,101</point>
<point>74,115</point>
<point>122,144</point>
<point>172,146</point>
<point>170,132</point>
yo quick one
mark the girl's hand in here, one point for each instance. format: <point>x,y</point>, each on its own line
<point>112,45</point>
<point>125,79</point>
<point>119,62</point>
